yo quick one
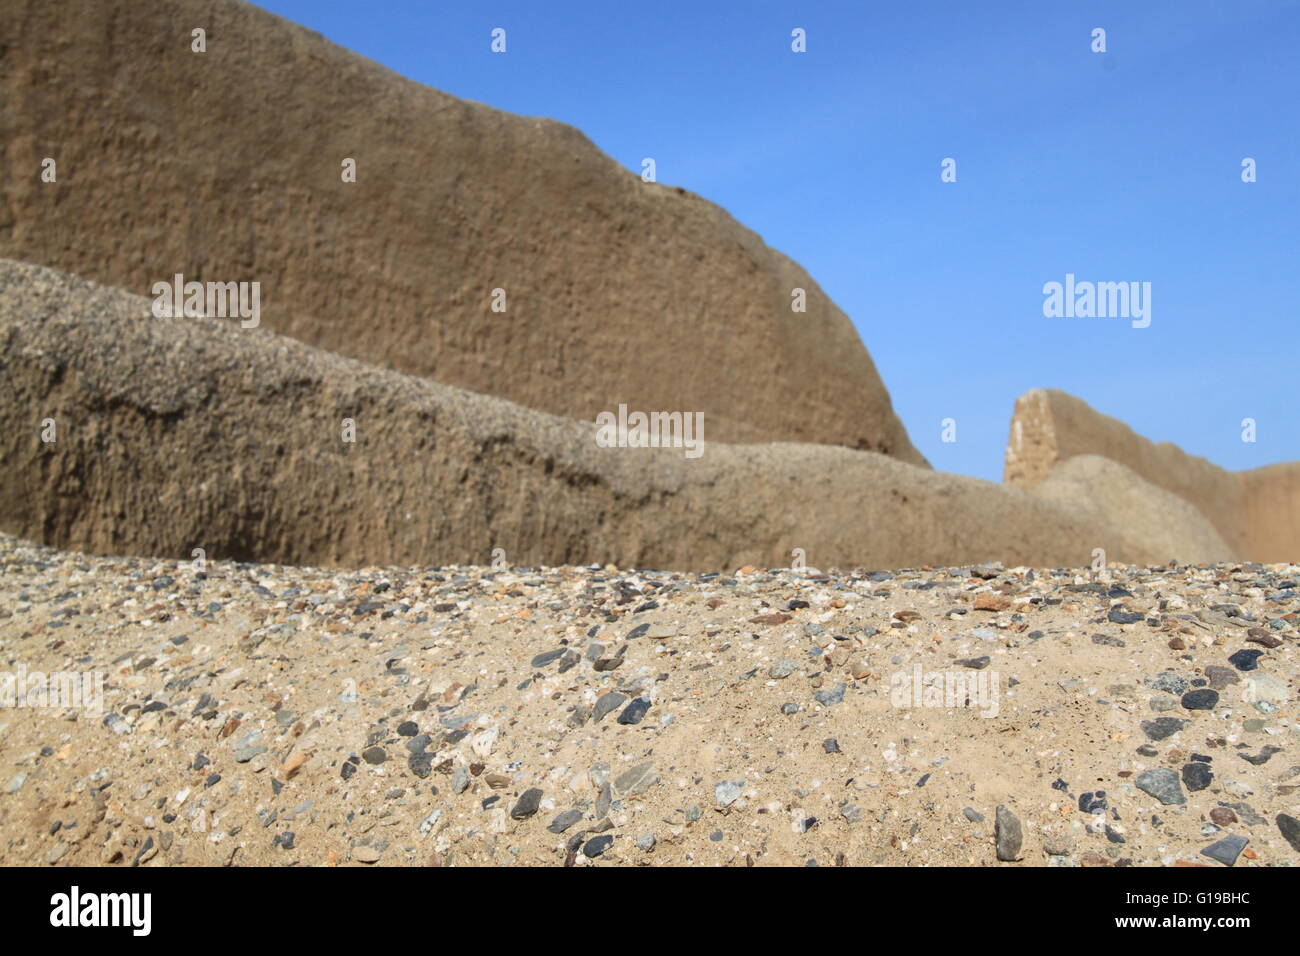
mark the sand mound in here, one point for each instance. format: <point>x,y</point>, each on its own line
<point>1257,512</point>
<point>175,434</point>
<point>460,716</point>
<point>226,166</point>
<point>1107,491</point>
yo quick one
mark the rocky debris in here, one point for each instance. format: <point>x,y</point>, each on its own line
<point>1226,850</point>
<point>635,781</point>
<point>1245,660</point>
<point>1202,699</point>
<point>371,728</point>
<point>564,820</point>
<point>527,804</point>
<point>987,601</point>
<point>634,712</point>
<point>1222,816</point>
<point>1162,727</point>
<point>1290,829</point>
<point>607,703</point>
<point>1196,776</point>
<point>1007,834</point>
<point>1161,783</point>
<point>728,792</point>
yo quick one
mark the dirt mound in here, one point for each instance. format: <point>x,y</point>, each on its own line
<point>226,166</point>
<point>1257,512</point>
<point>172,434</point>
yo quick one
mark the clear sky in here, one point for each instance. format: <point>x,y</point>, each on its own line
<point>1116,166</point>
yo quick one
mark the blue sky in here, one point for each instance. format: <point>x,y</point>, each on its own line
<point>1115,166</point>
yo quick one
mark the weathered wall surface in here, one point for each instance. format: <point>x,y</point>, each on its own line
<point>1272,497</point>
<point>1257,512</point>
<point>226,166</point>
<point>174,434</point>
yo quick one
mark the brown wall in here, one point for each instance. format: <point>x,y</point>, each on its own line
<point>1257,512</point>
<point>225,166</point>
<point>183,433</point>
<point>1272,496</point>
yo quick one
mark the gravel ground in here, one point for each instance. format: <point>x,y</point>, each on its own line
<point>265,715</point>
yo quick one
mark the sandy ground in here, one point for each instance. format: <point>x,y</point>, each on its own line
<point>263,715</point>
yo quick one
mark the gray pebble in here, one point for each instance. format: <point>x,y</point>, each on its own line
<point>565,820</point>
<point>728,792</point>
<point>527,804</point>
<point>634,711</point>
<point>1226,850</point>
<point>607,703</point>
<point>828,697</point>
<point>1161,783</point>
<point>1162,727</point>
<point>1007,833</point>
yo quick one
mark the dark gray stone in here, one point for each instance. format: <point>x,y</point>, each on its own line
<point>1162,727</point>
<point>1290,828</point>
<point>1093,802</point>
<point>634,711</point>
<point>527,804</point>
<point>1197,776</point>
<point>1203,699</point>
<point>565,820</point>
<point>1262,757</point>
<point>421,763</point>
<point>547,657</point>
<point>607,703</point>
<point>1226,850</point>
<point>1007,833</point>
<point>1161,783</point>
<point>1247,660</point>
